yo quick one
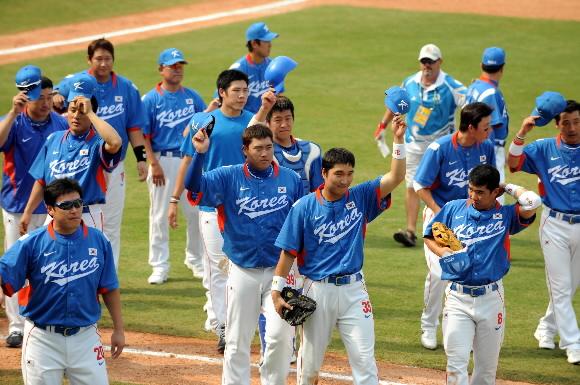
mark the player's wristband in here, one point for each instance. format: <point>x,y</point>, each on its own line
<point>278,283</point>
<point>140,153</point>
<point>174,199</point>
<point>399,151</point>
<point>511,189</point>
<point>516,149</point>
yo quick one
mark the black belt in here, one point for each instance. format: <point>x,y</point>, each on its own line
<point>570,218</point>
<point>499,142</point>
<point>474,291</point>
<point>171,153</point>
<point>64,330</point>
<point>340,280</point>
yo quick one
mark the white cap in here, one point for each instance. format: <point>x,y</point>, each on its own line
<point>430,51</point>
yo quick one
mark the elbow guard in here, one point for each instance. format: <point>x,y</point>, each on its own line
<point>529,200</point>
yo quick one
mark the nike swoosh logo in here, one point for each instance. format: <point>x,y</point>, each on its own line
<point>552,158</point>
<point>54,152</point>
<point>159,106</point>
<point>317,218</point>
<point>452,163</point>
<point>497,328</point>
<point>244,188</point>
<point>367,315</point>
<point>26,140</point>
<point>458,216</point>
<point>47,254</point>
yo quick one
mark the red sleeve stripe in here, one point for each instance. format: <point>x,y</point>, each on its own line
<point>7,289</point>
<point>132,129</point>
<point>194,201</point>
<point>521,160</point>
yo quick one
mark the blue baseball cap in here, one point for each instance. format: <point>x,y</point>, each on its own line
<point>81,84</point>
<point>201,120</point>
<point>548,105</point>
<point>171,56</point>
<point>28,79</point>
<point>397,100</point>
<point>260,31</point>
<point>277,71</point>
<point>493,56</point>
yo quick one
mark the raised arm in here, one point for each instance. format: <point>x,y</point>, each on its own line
<point>18,104</point>
<point>398,165</point>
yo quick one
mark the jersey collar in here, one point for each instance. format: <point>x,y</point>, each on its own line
<point>161,91</point>
<point>88,137</point>
<point>113,76</point>
<point>320,198</point>
<point>274,173</point>
<point>486,79</point>
<point>52,232</point>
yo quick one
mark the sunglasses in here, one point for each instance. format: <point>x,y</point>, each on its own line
<point>428,61</point>
<point>68,205</point>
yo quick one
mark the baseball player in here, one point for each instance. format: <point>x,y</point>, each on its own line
<point>169,107</point>
<point>325,232</point>
<point>23,131</point>
<point>120,106</point>
<point>84,152</point>
<point>474,314</point>
<point>230,121</point>
<point>259,42</point>
<point>442,177</point>
<point>67,265</point>
<point>486,90</point>
<point>434,97</point>
<point>556,163</point>
<point>253,199</point>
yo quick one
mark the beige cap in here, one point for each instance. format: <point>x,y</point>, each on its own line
<point>430,51</point>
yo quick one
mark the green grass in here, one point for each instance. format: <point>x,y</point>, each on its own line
<point>347,57</point>
<point>18,16</point>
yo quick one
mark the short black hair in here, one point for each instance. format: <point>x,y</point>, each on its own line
<point>492,69</point>
<point>249,44</point>
<point>336,156</point>
<point>45,83</point>
<point>256,131</point>
<point>484,175</point>
<point>225,78</point>
<point>101,43</point>
<point>282,104</point>
<point>60,187</point>
<point>571,106</point>
<point>472,114</point>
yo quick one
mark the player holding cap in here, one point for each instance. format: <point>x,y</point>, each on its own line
<point>556,162</point>
<point>169,107</point>
<point>23,131</point>
<point>253,199</point>
<point>442,176</point>
<point>67,265</point>
<point>88,148</point>
<point>324,231</point>
<point>486,90</point>
<point>259,42</point>
<point>434,97</point>
<point>474,314</point>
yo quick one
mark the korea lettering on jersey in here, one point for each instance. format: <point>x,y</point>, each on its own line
<point>24,141</point>
<point>120,105</point>
<point>82,158</point>
<point>251,211</point>
<point>486,235</point>
<point>558,168</point>
<point>65,274</point>
<point>305,159</point>
<point>327,237</point>
<point>257,83</point>
<point>486,91</point>
<point>445,167</point>
<point>167,114</point>
<point>432,110</point>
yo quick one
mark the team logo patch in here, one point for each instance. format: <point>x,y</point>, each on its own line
<point>92,251</point>
<point>497,216</point>
<point>350,205</point>
<point>188,101</point>
<point>482,158</point>
<point>84,151</point>
<point>282,190</point>
<point>118,99</point>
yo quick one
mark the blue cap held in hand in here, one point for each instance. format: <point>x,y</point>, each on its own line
<point>28,80</point>
<point>548,105</point>
<point>277,71</point>
<point>397,100</point>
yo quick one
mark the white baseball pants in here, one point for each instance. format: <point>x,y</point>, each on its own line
<point>560,242</point>
<point>113,208</point>
<point>159,196</point>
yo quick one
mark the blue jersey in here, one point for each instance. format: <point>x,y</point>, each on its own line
<point>432,110</point>
<point>557,165</point>
<point>305,159</point>
<point>82,158</point>
<point>445,167</point>
<point>486,235</point>
<point>257,83</point>
<point>167,114</point>
<point>487,91</point>
<point>65,274</point>
<point>327,237</point>
<point>251,210</point>
<point>24,141</point>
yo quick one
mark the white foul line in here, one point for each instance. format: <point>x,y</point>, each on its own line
<point>219,361</point>
<point>153,27</point>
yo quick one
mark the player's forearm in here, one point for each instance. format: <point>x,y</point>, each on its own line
<point>6,125</point>
<point>36,196</point>
<point>529,201</point>
<point>112,300</point>
<point>426,196</point>
<point>435,248</point>
<point>113,141</point>
<point>149,151</point>
<point>193,175</point>
<point>284,264</point>
<point>180,179</point>
<point>387,117</point>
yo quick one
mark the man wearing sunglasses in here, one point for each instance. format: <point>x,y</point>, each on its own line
<point>168,108</point>
<point>84,152</point>
<point>434,97</point>
<point>23,131</point>
<point>67,266</point>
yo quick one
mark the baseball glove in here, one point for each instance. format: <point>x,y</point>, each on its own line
<point>444,237</point>
<point>302,306</point>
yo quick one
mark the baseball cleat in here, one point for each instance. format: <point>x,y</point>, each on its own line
<point>573,356</point>
<point>157,278</point>
<point>221,346</point>
<point>545,341</point>
<point>406,237</point>
<point>429,340</point>
<point>14,340</point>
